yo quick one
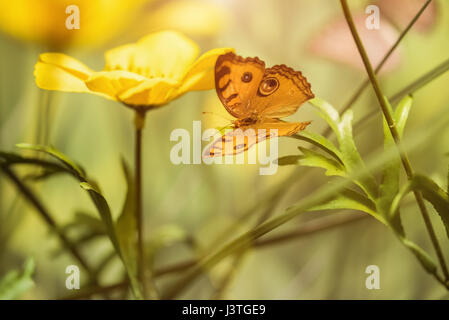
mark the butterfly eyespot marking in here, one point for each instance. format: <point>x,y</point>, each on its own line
<point>268,86</point>
<point>247,77</point>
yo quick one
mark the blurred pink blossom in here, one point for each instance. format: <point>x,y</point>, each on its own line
<point>401,12</point>
<point>335,42</point>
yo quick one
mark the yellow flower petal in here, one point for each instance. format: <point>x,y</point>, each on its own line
<point>113,83</point>
<point>56,71</point>
<point>150,93</point>
<point>165,54</point>
<point>201,74</point>
<point>67,63</point>
<point>120,58</point>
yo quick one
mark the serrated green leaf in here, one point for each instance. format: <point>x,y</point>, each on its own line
<point>348,152</point>
<point>321,142</point>
<point>310,158</point>
<point>352,200</point>
<point>351,158</point>
<point>15,283</point>
<point>55,154</point>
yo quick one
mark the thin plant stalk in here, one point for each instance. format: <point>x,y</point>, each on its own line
<point>391,124</point>
<point>139,125</point>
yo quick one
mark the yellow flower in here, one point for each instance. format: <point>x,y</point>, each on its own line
<point>44,21</point>
<point>157,69</point>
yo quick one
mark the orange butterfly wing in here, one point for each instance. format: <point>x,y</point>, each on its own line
<point>236,82</point>
<point>246,88</point>
<point>243,138</point>
<point>281,92</point>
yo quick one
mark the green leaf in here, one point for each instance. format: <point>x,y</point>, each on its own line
<point>105,213</point>
<point>10,158</point>
<point>426,261</point>
<point>348,152</point>
<point>103,209</point>
<point>351,158</point>
<point>320,142</point>
<point>328,113</point>
<point>55,154</point>
<point>431,192</point>
<point>401,113</point>
<point>15,282</point>
<point>310,158</point>
<point>126,227</point>
<point>352,200</point>
<point>390,174</point>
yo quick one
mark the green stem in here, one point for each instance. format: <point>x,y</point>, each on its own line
<point>391,124</point>
<point>47,118</point>
<point>139,124</point>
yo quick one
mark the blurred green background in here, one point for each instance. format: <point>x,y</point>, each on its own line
<point>198,202</point>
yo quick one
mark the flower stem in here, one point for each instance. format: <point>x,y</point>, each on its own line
<point>391,124</point>
<point>139,125</point>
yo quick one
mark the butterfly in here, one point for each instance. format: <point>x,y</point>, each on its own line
<point>257,97</point>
